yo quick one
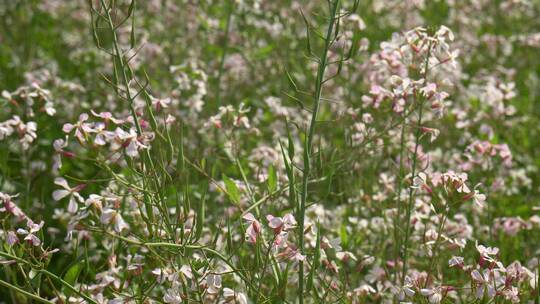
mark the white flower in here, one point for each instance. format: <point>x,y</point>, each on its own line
<point>487,252</point>
<point>232,296</point>
<point>30,236</point>
<point>455,261</point>
<point>74,196</point>
<point>281,224</point>
<point>172,295</point>
<point>59,145</point>
<point>11,238</point>
<point>112,216</point>
<point>213,283</point>
<point>434,294</point>
<point>484,284</point>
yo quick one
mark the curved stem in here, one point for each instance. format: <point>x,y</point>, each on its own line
<point>25,293</point>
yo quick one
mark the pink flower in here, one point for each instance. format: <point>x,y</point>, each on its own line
<point>253,230</point>
<point>12,238</point>
<point>281,224</point>
<point>292,254</point>
<point>82,128</point>
<point>30,236</point>
<point>107,116</point>
<point>9,206</point>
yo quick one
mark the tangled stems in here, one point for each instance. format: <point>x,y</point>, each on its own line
<point>148,163</point>
<point>183,247</point>
<point>45,272</point>
<point>334,6</point>
<point>410,201</point>
<point>25,293</point>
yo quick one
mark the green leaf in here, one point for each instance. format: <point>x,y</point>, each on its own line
<point>232,189</point>
<point>71,276</point>
<point>132,35</point>
<point>272,179</point>
<point>343,235</point>
<point>200,218</point>
<point>316,260</point>
<point>290,143</point>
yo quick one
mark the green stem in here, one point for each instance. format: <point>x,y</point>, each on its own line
<point>224,53</point>
<point>309,141</point>
<point>413,174</point>
<point>25,293</point>
<point>399,182</point>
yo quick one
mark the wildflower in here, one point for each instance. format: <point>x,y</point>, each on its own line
<point>434,294</point>
<point>11,238</point>
<point>101,134</point>
<point>170,119</point>
<point>107,116</point>
<point>433,133</point>
<point>420,181</point>
<point>360,24</point>
<point>30,233</point>
<point>292,254</point>
<point>487,253</point>
<point>232,296</point>
<point>82,128</point>
<point>112,216</point>
<point>160,103</point>
<point>74,196</point>
<point>185,270</point>
<point>334,243</point>
<point>127,140</point>
<point>484,283</point>
<point>28,132</point>
<point>281,224</point>
<point>345,256</point>
<point>364,290</point>
<point>173,296</point>
<point>9,206</point>
<point>95,201</point>
<point>479,199</point>
<point>407,290</point>
<point>511,294</point>
<point>213,283</point>
<point>456,261</point>
<point>59,145</point>
<point>253,230</point>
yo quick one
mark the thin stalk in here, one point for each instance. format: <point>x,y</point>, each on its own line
<point>124,66</point>
<point>118,57</point>
<point>67,285</point>
<point>181,247</point>
<point>399,182</point>
<point>224,52</point>
<point>413,174</point>
<point>435,250</point>
<point>309,141</point>
<point>25,293</point>
<point>49,274</point>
